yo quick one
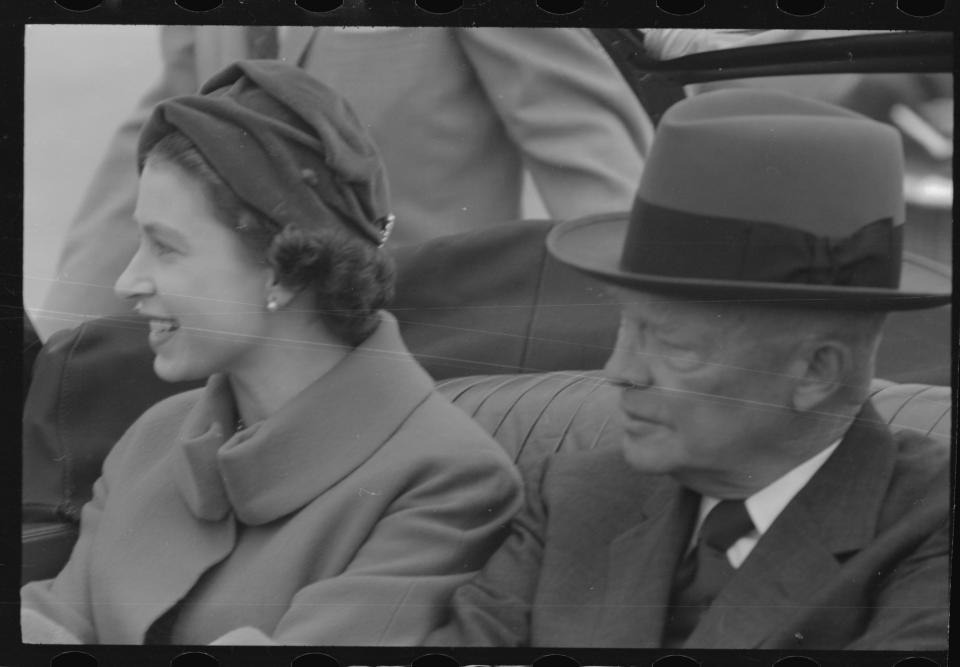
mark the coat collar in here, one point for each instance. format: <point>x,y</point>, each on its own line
<point>834,515</point>
<point>319,437</point>
<point>642,562</point>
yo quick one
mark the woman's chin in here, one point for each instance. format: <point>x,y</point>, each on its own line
<point>169,370</point>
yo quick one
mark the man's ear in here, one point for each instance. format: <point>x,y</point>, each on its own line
<point>821,371</point>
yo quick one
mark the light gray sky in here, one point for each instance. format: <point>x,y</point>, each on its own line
<point>81,81</point>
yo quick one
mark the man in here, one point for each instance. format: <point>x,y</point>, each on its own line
<point>757,500</point>
<point>458,114</point>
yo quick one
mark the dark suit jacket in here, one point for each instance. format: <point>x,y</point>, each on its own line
<point>858,559</point>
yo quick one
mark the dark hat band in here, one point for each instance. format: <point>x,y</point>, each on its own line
<point>677,244</point>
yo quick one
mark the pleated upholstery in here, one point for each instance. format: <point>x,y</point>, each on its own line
<point>922,408</point>
<point>533,415</point>
<point>539,414</point>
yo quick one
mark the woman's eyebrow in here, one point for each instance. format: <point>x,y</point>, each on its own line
<point>155,229</point>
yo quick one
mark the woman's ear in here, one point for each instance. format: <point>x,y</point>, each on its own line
<point>821,370</point>
<point>277,294</point>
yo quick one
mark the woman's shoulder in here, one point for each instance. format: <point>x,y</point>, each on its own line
<point>437,430</point>
<point>439,451</point>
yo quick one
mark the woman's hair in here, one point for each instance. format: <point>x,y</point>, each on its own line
<point>350,277</point>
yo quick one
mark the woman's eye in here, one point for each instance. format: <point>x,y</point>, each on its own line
<point>160,248</point>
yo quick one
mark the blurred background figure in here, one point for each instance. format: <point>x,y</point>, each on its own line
<point>920,105</point>
<point>72,106</point>
<point>460,116</point>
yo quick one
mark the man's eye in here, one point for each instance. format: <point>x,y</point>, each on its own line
<point>677,356</point>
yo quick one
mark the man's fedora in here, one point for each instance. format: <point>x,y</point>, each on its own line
<point>759,196</point>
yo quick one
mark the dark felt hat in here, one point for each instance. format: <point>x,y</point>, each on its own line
<point>288,146</point>
<point>759,196</point>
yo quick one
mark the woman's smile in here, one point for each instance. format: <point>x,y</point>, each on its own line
<point>161,331</point>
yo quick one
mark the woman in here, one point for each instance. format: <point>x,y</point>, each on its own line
<point>316,490</point>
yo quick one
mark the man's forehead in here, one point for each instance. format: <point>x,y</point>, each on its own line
<point>661,307</point>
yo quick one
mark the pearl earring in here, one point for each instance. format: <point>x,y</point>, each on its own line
<point>272,305</point>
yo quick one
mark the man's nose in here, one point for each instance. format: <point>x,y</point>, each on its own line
<point>629,364</point>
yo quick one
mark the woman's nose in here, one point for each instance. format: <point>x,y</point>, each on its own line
<point>133,283</point>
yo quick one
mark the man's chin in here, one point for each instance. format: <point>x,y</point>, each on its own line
<point>647,455</point>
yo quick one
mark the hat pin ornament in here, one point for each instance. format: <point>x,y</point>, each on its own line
<point>386,224</point>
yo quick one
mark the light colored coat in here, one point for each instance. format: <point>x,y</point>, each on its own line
<point>458,114</point>
<point>858,560</point>
<point>348,517</point>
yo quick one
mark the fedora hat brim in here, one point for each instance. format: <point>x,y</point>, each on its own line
<point>593,245</point>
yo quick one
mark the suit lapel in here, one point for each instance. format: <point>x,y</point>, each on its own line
<point>783,569</point>
<point>642,561</point>
<point>833,515</point>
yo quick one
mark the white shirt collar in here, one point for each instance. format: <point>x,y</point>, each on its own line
<point>765,505</point>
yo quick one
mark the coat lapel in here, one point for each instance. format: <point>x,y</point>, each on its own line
<point>784,569</point>
<point>320,436</point>
<point>165,569</point>
<point>834,515</point>
<point>642,562</point>
<point>326,432</point>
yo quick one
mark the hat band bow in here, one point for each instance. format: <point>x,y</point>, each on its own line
<point>678,244</point>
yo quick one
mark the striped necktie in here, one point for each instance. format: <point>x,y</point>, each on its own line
<point>705,570</point>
